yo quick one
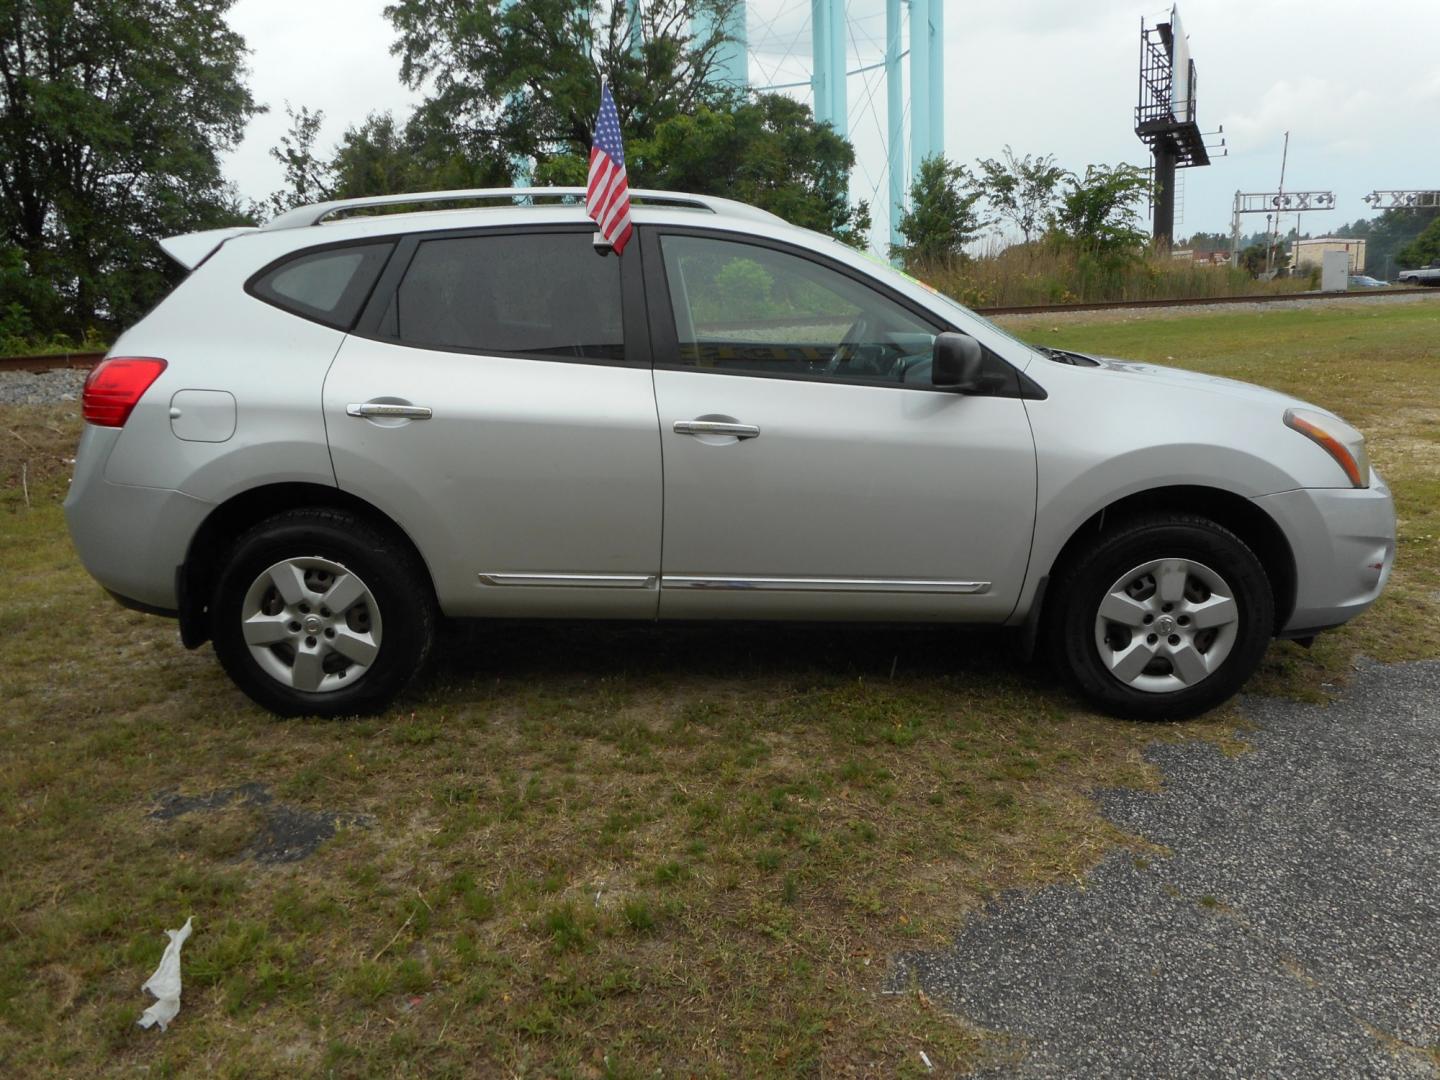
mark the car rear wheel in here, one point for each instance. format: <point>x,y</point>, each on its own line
<point>1162,618</point>
<point>317,612</point>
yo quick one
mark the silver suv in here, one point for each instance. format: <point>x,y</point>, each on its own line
<point>342,426</point>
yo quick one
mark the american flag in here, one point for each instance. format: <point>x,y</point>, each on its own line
<point>607,195</point>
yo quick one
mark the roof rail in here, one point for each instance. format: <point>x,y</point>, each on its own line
<point>303,216</point>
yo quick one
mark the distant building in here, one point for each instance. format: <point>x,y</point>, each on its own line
<point>1312,252</point>
<point>1201,258</point>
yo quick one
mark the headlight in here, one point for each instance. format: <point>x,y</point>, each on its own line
<point>1336,438</point>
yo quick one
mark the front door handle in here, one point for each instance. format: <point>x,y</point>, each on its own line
<point>387,411</point>
<point>716,427</point>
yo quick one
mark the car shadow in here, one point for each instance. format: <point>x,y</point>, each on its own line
<point>469,648</point>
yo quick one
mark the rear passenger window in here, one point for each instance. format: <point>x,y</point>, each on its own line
<point>541,294</point>
<point>328,286</point>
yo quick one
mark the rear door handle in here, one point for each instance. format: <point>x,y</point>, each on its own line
<point>716,427</point>
<point>386,410</point>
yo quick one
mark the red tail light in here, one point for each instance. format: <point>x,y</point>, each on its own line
<point>115,386</point>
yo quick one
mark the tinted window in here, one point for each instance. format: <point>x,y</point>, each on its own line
<point>542,294</point>
<point>756,310</point>
<point>328,286</point>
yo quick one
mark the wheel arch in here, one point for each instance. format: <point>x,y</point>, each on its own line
<point>1240,515</point>
<point>195,578</point>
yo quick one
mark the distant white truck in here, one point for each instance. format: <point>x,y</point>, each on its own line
<point>1428,275</point>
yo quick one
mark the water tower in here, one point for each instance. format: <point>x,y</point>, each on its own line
<point>839,54</point>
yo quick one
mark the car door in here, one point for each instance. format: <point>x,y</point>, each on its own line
<point>496,401</point>
<point>811,469</point>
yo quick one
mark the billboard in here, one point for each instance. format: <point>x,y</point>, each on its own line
<point>1182,103</point>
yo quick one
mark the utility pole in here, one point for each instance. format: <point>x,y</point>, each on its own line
<point>1280,201</point>
<point>1235,232</point>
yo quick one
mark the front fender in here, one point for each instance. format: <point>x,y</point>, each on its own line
<point>1102,437</point>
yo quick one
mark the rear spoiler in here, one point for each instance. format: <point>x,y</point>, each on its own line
<point>191,249</point>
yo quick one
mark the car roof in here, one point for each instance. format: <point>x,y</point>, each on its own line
<point>387,215</point>
<point>431,211</point>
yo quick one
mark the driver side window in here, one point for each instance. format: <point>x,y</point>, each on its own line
<point>753,310</point>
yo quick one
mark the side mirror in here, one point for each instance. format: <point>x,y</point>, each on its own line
<point>957,362</point>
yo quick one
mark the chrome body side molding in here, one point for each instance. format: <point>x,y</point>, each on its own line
<point>572,581</point>
<point>803,584</point>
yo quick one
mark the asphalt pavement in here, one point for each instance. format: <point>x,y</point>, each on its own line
<point>1291,930</point>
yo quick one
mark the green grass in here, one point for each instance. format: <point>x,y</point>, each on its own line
<point>591,851</point>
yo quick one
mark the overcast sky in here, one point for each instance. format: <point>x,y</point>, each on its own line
<point>1356,84</point>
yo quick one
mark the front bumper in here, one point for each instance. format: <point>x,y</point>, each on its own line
<point>130,538</point>
<point>1343,540</point>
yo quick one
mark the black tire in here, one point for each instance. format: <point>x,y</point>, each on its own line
<point>394,620</point>
<point>1193,549</point>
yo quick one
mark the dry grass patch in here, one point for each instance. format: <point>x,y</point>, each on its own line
<point>579,850</point>
<point>1043,273</point>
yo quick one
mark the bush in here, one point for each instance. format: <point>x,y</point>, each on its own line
<point>17,340</point>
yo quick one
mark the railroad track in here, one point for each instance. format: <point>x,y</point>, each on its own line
<point>90,359</point>
<point>1202,301</point>
<point>56,362</point>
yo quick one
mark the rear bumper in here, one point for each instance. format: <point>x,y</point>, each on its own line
<point>1343,540</point>
<point>129,538</point>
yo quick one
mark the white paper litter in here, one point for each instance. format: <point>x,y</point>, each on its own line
<point>165,983</point>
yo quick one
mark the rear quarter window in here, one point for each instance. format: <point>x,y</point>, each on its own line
<point>329,286</point>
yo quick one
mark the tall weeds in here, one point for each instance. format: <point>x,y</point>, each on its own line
<point>1047,273</point>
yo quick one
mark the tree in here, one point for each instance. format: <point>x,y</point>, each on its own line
<point>1423,250</point>
<point>1100,212</point>
<point>1204,243</point>
<point>1021,190</point>
<point>524,81</point>
<point>768,152</point>
<point>517,90</point>
<point>1252,259</point>
<point>373,158</point>
<point>308,178</point>
<point>25,300</point>
<point>941,218</point>
<point>383,157</point>
<point>113,115</point>
<point>1387,235</point>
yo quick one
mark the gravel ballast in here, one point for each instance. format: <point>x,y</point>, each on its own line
<point>41,388</point>
<point>1291,929</point>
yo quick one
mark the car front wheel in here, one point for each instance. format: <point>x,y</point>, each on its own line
<point>319,613</point>
<point>1162,618</point>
